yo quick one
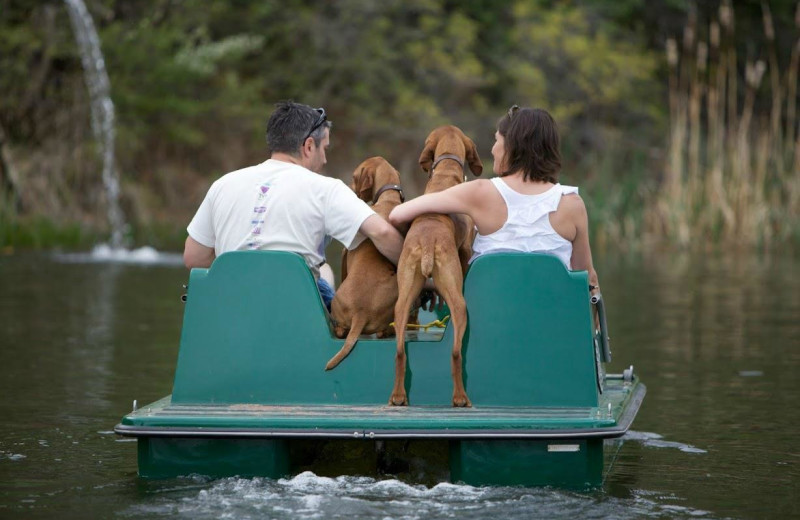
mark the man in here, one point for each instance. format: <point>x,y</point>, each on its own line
<point>283,205</point>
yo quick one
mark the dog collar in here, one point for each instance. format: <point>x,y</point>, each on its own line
<point>447,156</point>
<point>395,187</point>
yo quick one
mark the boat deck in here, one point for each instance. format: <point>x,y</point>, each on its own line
<point>618,405</point>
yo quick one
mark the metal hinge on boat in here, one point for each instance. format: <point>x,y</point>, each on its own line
<point>602,334</point>
<point>627,374</point>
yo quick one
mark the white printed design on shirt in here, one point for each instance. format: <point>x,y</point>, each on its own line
<point>257,220</point>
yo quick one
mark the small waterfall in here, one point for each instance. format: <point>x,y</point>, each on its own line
<point>102,109</point>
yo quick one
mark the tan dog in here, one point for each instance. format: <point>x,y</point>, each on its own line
<point>364,302</point>
<point>438,246</point>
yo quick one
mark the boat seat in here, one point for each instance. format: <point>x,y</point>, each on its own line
<point>255,332</point>
<point>530,324</point>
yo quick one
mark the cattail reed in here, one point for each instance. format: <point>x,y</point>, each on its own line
<point>733,169</point>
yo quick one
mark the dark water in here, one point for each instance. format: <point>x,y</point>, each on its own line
<point>715,338</point>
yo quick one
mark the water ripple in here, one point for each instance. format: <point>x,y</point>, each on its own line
<point>654,440</point>
<point>103,253</point>
<point>311,496</point>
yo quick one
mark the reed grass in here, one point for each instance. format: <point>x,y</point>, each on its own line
<point>733,166</point>
<point>615,182</point>
<point>38,232</point>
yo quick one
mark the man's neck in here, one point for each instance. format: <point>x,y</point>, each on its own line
<point>285,157</point>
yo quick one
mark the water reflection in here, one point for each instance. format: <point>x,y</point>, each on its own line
<point>71,335</point>
<point>699,329</point>
<point>91,355</point>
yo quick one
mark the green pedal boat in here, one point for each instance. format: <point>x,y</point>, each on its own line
<point>250,380</point>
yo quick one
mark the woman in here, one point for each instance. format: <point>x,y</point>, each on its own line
<point>523,208</point>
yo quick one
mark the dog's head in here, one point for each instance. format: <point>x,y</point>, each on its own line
<point>450,139</point>
<point>371,175</point>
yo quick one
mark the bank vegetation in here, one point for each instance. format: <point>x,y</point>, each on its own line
<point>679,119</point>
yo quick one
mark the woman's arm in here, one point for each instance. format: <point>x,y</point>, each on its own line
<point>462,198</point>
<point>581,252</point>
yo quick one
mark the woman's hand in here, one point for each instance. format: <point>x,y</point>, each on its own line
<point>402,214</point>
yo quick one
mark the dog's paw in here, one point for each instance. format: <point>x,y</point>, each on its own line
<point>398,399</point>
<point>461,401</point>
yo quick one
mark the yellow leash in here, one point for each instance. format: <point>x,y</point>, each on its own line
<point>437,323</point>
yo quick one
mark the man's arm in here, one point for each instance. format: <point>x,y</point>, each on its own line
<point>386,238</point>
<point>196,254</point>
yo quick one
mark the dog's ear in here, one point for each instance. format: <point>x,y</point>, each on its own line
<point>426,157</point>
<point>362,184</point>
<point>473,159</point>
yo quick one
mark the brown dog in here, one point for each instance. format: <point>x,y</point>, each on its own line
<point>438,246</point>
<point>365,300</point>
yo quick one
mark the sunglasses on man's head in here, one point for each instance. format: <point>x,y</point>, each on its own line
<point>512,110</point>
<point>321,118</point>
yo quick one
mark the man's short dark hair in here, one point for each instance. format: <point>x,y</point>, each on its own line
<point>288,127</point>
<point>531,144</point>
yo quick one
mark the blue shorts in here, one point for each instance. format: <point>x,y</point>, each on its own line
<point>326,291</point>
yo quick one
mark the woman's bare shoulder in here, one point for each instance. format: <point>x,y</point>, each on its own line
<point>476,187</point>
<point>572,203</point>
<point>573,210</point>
<point>481,184</point>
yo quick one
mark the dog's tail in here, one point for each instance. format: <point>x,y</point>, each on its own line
<point>356,326</point>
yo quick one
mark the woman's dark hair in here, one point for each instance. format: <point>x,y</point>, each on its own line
<point>289,125</point>
<point>531,144</point>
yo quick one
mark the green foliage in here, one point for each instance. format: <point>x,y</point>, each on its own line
<point>194,81</point>
<point>171,81</point>
<point>578,71</point>
<point>40,232</point>
<point>183,72</point>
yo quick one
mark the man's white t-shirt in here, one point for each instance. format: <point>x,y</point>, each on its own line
<point>281,206</point>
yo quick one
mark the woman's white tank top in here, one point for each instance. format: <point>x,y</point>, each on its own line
<point>527,228</point>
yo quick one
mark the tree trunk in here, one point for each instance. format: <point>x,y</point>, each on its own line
<point>8,176</point>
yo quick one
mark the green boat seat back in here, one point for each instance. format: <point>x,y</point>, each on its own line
<point>530,332</point>
<point>255,333</point>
